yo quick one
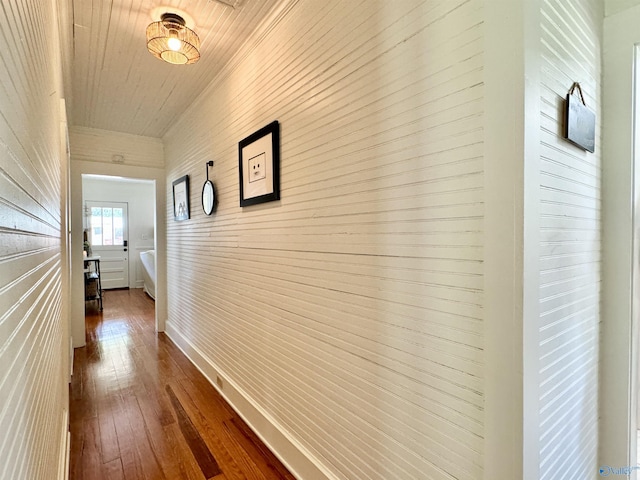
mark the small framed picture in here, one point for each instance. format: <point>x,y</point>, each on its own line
<point>259,165</point>
<point>181,198</point>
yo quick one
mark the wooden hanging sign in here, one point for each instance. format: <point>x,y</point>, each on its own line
<point>580,124</point>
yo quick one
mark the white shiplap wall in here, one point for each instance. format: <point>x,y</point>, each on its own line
<point>33,342</point>
<point>349,312</point>
<point>570,248</point>
<point>94,145</point>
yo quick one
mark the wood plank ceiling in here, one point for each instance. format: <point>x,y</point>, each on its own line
<point>118,85</point>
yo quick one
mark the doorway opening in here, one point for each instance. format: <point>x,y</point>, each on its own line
<point>119,226</point>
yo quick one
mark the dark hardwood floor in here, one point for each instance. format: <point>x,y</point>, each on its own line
<point>141,410</point>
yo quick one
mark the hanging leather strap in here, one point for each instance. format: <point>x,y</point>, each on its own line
<point>575,86</point>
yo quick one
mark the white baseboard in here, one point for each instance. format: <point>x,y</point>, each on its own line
<point>65,448</point>
<point>71,351</point>
<point>297,460</point>
<point>68,458</point>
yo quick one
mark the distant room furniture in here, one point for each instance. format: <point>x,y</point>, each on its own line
<point>92,283</point>
<point>148,260</point>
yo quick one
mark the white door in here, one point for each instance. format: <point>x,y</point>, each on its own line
<point>108,236</point>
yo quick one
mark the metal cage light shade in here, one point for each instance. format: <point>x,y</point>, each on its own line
<point>172,41</point>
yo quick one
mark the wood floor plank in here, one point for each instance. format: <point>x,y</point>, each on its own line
<point>210,423</point>
<point>113,470</point>
<point>257,451</point>
<point>185,461</point>
<point>149,461</point>
<point>91,457</point>
<point>129,456</point>
<point>75,460</point>
<point>199,448</point>
<point>109,448</point>
<point>133,389</point>
<point>164,446</point>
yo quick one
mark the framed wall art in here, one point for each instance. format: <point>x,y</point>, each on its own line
<point>181,198</point>
<point>259,166</point>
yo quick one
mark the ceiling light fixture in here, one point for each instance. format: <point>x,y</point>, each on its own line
<point>172,41</point>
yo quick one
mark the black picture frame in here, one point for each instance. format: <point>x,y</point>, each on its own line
<point>181,209</point>
<point>259,166</point>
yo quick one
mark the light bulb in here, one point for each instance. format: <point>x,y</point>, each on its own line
<point>174,44</point>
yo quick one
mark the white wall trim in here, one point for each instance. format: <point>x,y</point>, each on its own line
<point>504,224</point>
<point>530,334</point>
<point>71,352</point>
<point>618,343</point>
<point>65,448</point>
<point>78,168</point>
<point>299,461</point>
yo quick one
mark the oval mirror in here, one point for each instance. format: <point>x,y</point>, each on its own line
<point>208,197</point>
